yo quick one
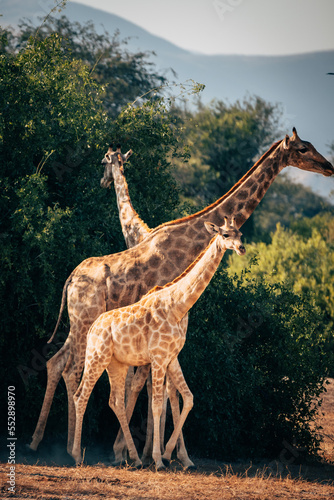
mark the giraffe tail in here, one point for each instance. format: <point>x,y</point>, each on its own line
<point>63,300</point>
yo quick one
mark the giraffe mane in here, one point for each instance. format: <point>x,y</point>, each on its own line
<point>185,272</point>
<point>226,195</point>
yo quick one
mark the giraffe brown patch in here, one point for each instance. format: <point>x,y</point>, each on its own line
<point>177,256</point>
<point>191,233</point>
<point>150,280</point>
<point>167,270</point>
<point>140,322</point>
<point>148,317</point>
<point>275,167</point>
<point>228,207</point>
<point>178,231</point>
<point>134,272</point>
<point>164,334</point>
<point>198,226</point>
<point>134,329</point>
<point>251,205</point>
<point>138,343</point>
<point>154,261</point>
<point>240,207</point>
<point>253,189</point>
<point>242,195</point>
<point>240,219</point>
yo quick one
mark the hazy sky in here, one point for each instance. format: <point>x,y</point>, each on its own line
<point>232,26</point>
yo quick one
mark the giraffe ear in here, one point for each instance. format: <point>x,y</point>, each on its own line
<point>294,133</point>
<point>211,227</point>
<point>127,155</point>
<point>286,142</point>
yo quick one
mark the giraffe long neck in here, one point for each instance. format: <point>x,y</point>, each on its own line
<point>133,228</point>
<point>241,201</point>
<point>187,288</point>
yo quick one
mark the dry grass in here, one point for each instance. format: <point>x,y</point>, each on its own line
<point>87,482</point>
<point>211,481</point>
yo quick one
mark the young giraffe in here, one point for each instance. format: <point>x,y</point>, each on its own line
<point>151,331</point>
<point>134,231</point>
<point>100,284</point>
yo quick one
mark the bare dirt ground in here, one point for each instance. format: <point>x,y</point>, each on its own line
<point>277,479</point>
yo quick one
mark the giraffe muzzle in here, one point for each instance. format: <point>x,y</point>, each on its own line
<point>242,250</point>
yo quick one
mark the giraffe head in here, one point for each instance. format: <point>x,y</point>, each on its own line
<point>229,235</point>
<point>111,158</point>
<point>303,155</point>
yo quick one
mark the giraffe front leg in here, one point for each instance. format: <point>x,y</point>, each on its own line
<point>54,366</point>
<point>137,383</point>
<point>148,448</point>
<point>93,371</point>
<point>117,374</point>
<point>158,371</point>
<point>175,372</point>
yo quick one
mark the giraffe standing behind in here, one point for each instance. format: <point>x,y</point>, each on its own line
<point>151,331</point>
<point>133,228</point>
<point>101,284</point>
<point>134,231</point>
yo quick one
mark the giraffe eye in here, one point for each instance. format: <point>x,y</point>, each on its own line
<point>303,150</point>
<point>226,235</point>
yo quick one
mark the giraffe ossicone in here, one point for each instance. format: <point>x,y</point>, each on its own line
<point>152,332</point>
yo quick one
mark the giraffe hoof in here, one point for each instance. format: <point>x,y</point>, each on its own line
<point>146,462</point>
<point>191,468</point>
<point>137,466</point>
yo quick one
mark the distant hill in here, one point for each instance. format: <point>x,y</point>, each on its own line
<point>299,82</point>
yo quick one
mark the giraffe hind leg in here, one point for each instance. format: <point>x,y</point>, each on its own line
<point>182,453</point>
<point>71,375</point>
<point>93,370</point>
<point>55,367</point>
<point>175,372</point>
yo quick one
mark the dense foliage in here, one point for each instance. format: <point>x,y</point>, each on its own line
<point>253,359</point>
<point>252,390</point>
<point>54,131</point>
<point>303,258</point>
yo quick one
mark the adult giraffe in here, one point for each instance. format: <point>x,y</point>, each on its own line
<point>100,284</point>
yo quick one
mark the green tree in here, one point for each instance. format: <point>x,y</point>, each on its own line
<point>223,142</point>
<point>304,259</point>
<point>286,202</point>
<point>255,361</point>
<point>54,130</point>
<point>123,75</point>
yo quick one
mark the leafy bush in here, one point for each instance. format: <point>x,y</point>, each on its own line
<point>254,359</point>
<point>304,259</point>
<point>54,132</point>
